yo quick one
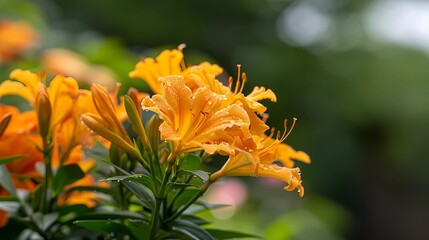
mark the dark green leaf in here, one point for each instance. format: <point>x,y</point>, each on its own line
<point>37,196</point>
<point>67,174</point>
<point>4,160</point>
<point>103,226</point>
<point>204,176</point>
<point>191,230</point>
<point>197,220</point>
<point>174,185</point>
<point>226,234</point>
<point>8,199</point>
<point>142,192</point>
<point>201,205</point>
<point>140,229</point>
<point>72,212</point>
<point>185,197</point>
<point>140,178</point>
<point>117,167</point>
<point>112,215</point>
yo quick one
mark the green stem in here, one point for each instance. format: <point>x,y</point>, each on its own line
<point>161,195</point>
<point>180,191</point>
<point>189,203</point>
<point>45,203</point>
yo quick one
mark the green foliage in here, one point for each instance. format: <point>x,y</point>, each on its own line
<point>67,174</point>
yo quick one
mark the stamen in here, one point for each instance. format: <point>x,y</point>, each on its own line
<point>285,135</point>
<point>230,80</point>
<point>181,47</point>
<point>237,84</point>
<point>272,132</point>
<point>182,63</point>
<point>243,76</point>
<point>265,117</point>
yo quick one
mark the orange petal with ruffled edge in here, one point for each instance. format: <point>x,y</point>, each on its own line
<point>29,79</point>
<point>149,69</point>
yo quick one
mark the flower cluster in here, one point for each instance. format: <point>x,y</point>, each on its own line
<point>47,138</point>
<point>153,146</point>
<point>200,113</point>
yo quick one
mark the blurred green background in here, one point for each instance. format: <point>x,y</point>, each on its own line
<point>354,72</point>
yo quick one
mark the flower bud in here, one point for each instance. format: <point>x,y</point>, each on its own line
<point>99,126</point>
<point>135,119</point>
<point>4,121</point>
<point>44,113</point>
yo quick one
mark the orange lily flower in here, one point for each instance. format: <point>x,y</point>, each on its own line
<point>18,139</point>
<point>170,62</point>
<point>67,101</point>
<point>15,38</point>
<point>194,121</point>
<point>263,161</point>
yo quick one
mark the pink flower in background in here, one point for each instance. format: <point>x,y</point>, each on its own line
<point>230,192</point>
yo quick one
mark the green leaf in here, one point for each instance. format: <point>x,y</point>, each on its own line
<point>191,162</point>
<point>200,206</point>
<point>175,185</point>
<point>140,178</point>
<point>103,226</point>
<point>197,220</point>
<point>9,206</point>
<point>44,221</point>
<point>113,215</point>
<point>191,230</point>
<point>6,181</point>
<point>185,197</point>
<point>208,205</point>
<point>37,196</point>
<point>116,167</point>
<point>67,174</point>
<point>204,176</point>
<point>8,199</point>
<point>227,234</point>
<point>140,229</point>
<point>201,174</point>
<point>4,160</point>
<point>142,192</point>
<point>72,212</point>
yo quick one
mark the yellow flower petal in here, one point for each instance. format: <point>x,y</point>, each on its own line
<point>29,79</point>
<point>149,69</point>
<point>16,88</point>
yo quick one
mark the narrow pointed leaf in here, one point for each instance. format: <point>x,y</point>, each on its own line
<point>226,234</point>
<point>103,226</point>
<point>4,160</point>
<point>192,230</point>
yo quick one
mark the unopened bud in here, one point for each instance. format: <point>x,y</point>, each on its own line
<point>98,125</point>
<point>44,113</point>
<point>4,121</point>
<point>135,120</point>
